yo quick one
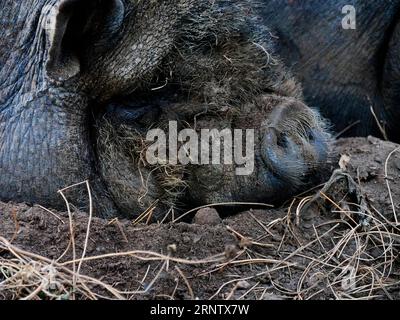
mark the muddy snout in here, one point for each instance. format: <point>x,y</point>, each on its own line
<point>294,142</point>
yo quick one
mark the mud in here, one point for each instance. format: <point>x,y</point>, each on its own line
<point>341,243</point>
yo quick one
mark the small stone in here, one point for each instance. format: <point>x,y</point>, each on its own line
<point>344,162</point>
<point>231,251</point>
<point>207,216</point>
<point>172,248</point>
<point>243,285</point>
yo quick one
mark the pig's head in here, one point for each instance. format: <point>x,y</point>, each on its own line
<point>83,81</point>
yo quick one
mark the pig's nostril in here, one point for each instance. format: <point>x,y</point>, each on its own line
<point>320,143</point>
<point>273,138</point>
<point>282,141</point>
<point>283,157</point>
<point>311,135</point>
<point>292,157</point>
<point>278,147</point>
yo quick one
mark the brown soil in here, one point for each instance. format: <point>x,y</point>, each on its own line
<point>341,243</point>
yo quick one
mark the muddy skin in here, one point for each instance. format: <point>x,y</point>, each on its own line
<point>343,72</point>
<point>83,81</point>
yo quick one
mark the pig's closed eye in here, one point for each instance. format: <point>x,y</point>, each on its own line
<point>130,115</point>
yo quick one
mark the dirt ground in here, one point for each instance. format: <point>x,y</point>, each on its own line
<point>339,241</point>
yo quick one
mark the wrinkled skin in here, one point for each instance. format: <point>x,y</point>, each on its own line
<point>82,81</point>
<point>343,72</point>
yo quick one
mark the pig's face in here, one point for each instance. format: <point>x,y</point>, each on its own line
<point>84,82</point>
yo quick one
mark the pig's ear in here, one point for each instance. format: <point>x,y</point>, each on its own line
<point>77,28</point>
